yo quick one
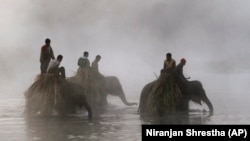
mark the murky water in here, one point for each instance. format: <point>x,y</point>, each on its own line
<point>117,122</point>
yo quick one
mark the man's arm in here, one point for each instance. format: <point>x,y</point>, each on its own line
<point>80,62</point>
<point>52,53</point>
<point>164,65</point>
<point>87,63</point>
<point>41,55</point>
<point>174,64</point>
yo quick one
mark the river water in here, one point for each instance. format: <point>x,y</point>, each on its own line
<point>119,122</point>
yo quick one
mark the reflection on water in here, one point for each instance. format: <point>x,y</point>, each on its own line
<point>117,122</point>
<point>111,125</point>
<point>197,117</point>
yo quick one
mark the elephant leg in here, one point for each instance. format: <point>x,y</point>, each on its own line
<point>184,105</point>
<point>87,107</point>
<point>73,96</point>
<point>103,100</point>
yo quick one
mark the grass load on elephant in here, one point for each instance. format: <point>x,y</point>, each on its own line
<point>51,94</point>
<point>170,94</point>
<point>164,96</point>
<point>92,83</point>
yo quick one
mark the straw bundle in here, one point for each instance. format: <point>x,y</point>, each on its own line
<point>42,95</point>
<point>91,85</point>
<point>165,95</point>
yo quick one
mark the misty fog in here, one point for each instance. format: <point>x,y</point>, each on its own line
<point>132,37</point>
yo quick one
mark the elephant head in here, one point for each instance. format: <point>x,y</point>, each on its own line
<point>114,87</point>
<point>197,94</point>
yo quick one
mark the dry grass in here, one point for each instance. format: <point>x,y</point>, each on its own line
<point>90,83</point>
<point>42,95</point>
<point>165,96</point>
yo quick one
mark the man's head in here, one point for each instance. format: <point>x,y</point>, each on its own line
<point>86,54</point>
<point>98,57</point>
<point>168,56</point>
<point>47,41</point>
<point>183,61</point>
<point>59,58</point>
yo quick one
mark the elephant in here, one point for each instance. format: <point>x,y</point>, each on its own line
<point>113,87</point>
<point>192,90</point>
<point>50,93</point>
<point>72,96</point>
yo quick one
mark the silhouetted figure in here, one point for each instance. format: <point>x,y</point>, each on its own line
<point>54,67</point>
<point>99,78</point>
<point>46,55</point>
<point>83,62</point>
<point>94,65</point>
<point>88,80</point>
<point>164,94</point>
<point>179,71</point>
<point>169,64</point>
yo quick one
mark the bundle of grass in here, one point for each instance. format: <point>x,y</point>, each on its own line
<point>42,95</point>
<point>165,95</point>
<point>87,79</point>
<point>52,94</point>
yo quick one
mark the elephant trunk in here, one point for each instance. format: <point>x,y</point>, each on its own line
<point>114,87</point>
<point>207,101</point>
<point>124,100</point>
<point>209,104</point>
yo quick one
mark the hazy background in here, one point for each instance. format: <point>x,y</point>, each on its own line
<point>132,37</point>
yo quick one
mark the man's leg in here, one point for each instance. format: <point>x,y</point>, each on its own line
<point>44,66</point>
<point>62,72</point>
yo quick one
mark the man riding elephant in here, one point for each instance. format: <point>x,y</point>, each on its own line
<point>46,55</point>
<point>52,92</point>
<point>103,85</point>
<point>108,85</point>
<point>165,94</point>
<point>86,77</point>
<point>171,92</point>
<point>54,68</point>
<point>179,71</point>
